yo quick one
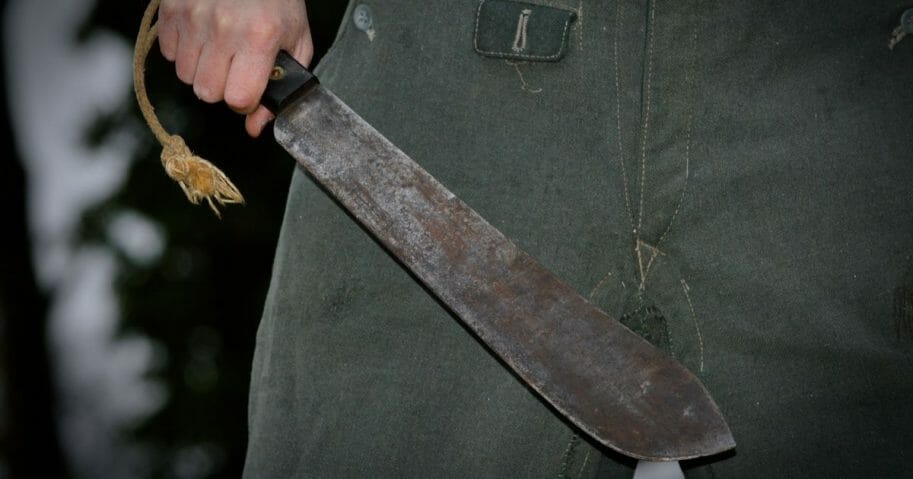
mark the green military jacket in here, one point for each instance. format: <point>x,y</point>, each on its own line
<point>733,180</point>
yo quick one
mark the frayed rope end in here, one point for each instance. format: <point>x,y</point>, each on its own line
<point>199,178</point>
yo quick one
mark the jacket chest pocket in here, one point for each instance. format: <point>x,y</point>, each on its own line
<point>521,31</point>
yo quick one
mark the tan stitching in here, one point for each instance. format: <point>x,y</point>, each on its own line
<point>475,36</point>
<point>475,42</point>
<point>558,5</point>
<point>523,84</point>
<point>645,270</point>
<point>520,36</point>
<point>681,199</point>
<point>621,156</point>
<point>697,328</point>
<point>689,80</point>
<point>586,459</point>
<point>579,25</point>
<point>646,125</point>
<point>567,456</point>
<point>599,285</point>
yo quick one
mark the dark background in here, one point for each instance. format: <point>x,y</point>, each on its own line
<point>201,301</point>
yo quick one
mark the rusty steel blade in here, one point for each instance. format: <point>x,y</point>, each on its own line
<point>611,383</point>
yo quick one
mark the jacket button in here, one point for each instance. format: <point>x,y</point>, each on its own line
<point>362,17</point>
<point>906,21</point>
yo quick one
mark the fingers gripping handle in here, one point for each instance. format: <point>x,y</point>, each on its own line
<point>287,81</point>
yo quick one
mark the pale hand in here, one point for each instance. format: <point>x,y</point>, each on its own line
<point>226,48</point>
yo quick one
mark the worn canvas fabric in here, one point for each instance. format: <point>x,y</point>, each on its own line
<point>732,180</point>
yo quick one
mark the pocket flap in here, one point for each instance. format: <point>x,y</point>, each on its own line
<point>521,31</point>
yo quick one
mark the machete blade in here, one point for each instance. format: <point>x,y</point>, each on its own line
<point>607,380</point>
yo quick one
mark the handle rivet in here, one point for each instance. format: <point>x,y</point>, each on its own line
<point>277,73</point>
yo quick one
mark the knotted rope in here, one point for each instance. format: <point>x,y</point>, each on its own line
<point>198,178</point>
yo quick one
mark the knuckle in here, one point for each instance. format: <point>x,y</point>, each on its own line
<point>198,13</point>
<point>263,32</point>
<point>223,23</point>
<point>224,20</point>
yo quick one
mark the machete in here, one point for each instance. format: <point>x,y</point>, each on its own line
<point>605,379</point>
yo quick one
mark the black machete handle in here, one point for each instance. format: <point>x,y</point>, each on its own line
<point>287,81</point>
